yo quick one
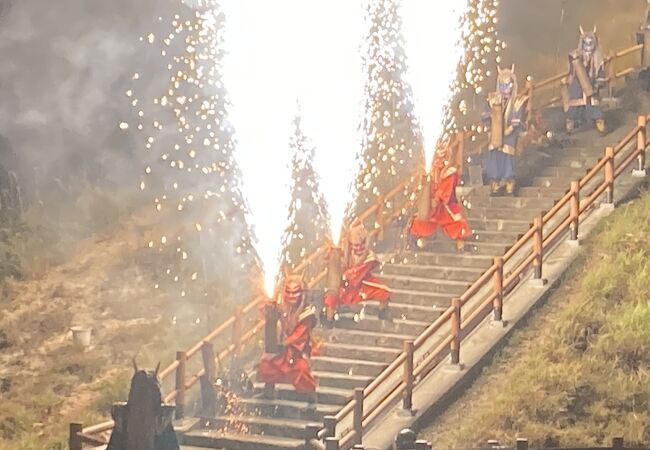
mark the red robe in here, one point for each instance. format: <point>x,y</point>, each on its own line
<point>359,285</point>
<point>448,214</point>
<point>292,366</point>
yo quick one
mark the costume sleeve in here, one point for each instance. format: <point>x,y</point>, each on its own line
<point>355,275</point>
<point>446,188</point>
<point>300,336</point>
<point>519,116</point>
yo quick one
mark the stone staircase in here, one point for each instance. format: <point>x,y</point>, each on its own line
<point>423,284</point>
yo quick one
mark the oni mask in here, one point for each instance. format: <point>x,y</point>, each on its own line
<point>588,40</point>
<point>358,238</point>
<point>507,81</point>
<point>292,292</point>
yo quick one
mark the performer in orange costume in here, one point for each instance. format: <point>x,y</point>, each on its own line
<point>291,365</point>
<point>446,212</point>
<point>358,282</point>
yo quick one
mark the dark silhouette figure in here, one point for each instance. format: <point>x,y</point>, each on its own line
<point>144,422</point>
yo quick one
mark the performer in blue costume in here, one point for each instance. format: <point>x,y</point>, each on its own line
<point>586,78</point>
<point>507,114</point>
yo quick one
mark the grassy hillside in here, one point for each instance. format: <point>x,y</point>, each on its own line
<point>578,373</point>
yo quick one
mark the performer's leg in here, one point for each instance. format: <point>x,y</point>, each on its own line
<point>330,302</point>
<point>595,114</point>
<point>492,170</point>
<point>572,116</point>
<point>460,245</point>
<point>509,173</point>
<point>384,311</point>
<point>269,391</point>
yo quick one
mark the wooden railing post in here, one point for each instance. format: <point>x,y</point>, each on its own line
<point>379,217</point>
<point>329,423</point>
<point>181,357</point>
<point>357,415</point>
<point>522,444</point>
<point>74,441</point>
<point>331,443</point>
<point>611,75</point>
<point>537,247</point>
<point>575,210</point>
<point>530,88</point>
<point>498,289</point>
<point>237,331</point>
<point>270,327</point>
<point>207,353</point>
<point>617,443</point>
<point>408,374</point>
<point>455,331</point>
<point>641,142</point>
<point>208,397</point>
<point>609,175</point>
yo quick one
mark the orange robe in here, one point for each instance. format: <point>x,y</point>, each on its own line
<point>292,365</point>
<point>359,285</point>
<point>448,214</point>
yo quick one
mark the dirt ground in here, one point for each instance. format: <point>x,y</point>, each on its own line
<point>45,380</point>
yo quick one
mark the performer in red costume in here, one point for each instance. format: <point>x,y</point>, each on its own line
<point>358,283</point>
<point>446,212</point>
<point>291,365</point>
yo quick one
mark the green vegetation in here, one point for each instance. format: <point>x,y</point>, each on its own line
<point>578,373</point>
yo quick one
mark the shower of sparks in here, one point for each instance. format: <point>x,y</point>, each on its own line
<point>482,53</point>
<point>331,88</point>
<point>391,138</point>
<point>308,214</point>
<point>433,38</point>
<point>191,173</point>
<point>262,72</point>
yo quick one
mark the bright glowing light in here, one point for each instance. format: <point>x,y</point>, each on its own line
<point>331,89</point>
<point>433,40</point>
<point>260,72</point>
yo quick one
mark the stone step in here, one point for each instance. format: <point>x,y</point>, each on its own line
<point>405,311</point>
<point>576,161</point>
<point>438,271</point>
<point>328,395</point>
<point>343,365</point>
<point>520,225</point>
<point>566,173</point>
<point>524,190</point>
<point>361,337</point>
<point>370,323</point>
<point>506,238</point>
<point>485,200</point>
<point>453,259</point>
<point>473,246</point>
<point>218,440</point>
<point>550,181</point>
<point>270,426</point>
<point>437,301</point>
<point>341,380</point>
<point>429,285</point>
<point>493,213</point>
<point>352,350</point>
<point>256,406</point>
